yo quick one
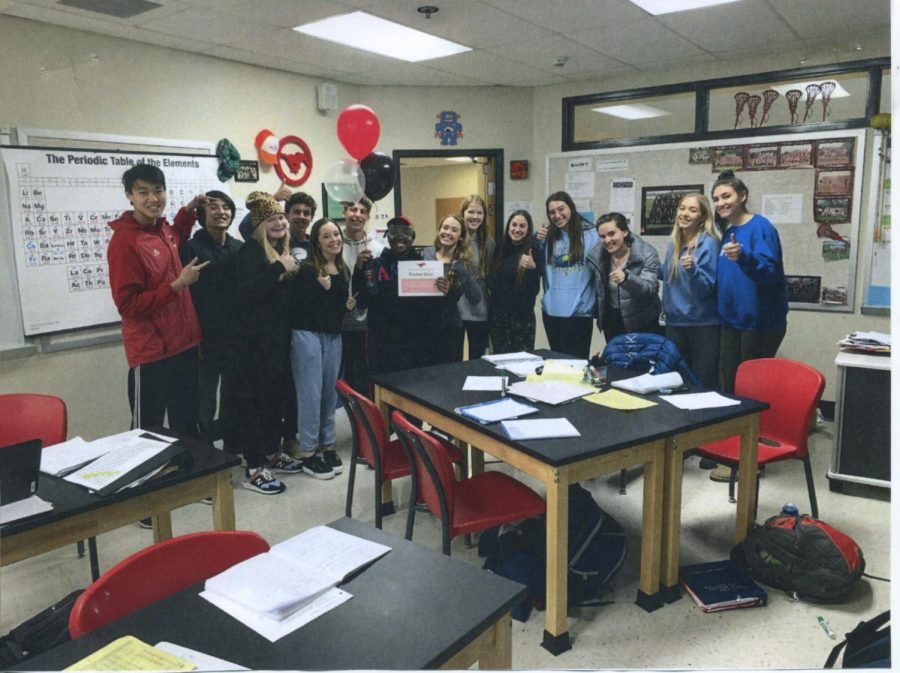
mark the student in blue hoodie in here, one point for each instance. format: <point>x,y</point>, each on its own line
<point>688,274</point>
<point>752,294</point>
<point>570,299</point>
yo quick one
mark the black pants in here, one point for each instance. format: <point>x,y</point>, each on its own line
<point>289,427</point>
<point>569,335</point>
<point>511,333</point>
<point>477,333</point>
<point>354,363</point>
<point>167,387</point>
<point>740,345</point>
<point>699,346</point>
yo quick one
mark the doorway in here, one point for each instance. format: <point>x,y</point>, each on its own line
<point>433,183</point>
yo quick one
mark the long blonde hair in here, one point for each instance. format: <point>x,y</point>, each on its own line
<point>273,252</point>
<point>481,234</point>
<point>461,249</point>
<point>680,239</point>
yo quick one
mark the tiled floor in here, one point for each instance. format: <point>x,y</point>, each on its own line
<point>620,635</point>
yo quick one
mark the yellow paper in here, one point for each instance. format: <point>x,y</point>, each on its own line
<point>616,399</point>
<point>130,654</point>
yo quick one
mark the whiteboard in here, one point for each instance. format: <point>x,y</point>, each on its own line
<point>60,203</point>
<point>820,247</point>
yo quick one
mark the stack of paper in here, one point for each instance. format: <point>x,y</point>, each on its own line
<point>721,585</point>
<point>867,342</point>
<point>61,459</point>
<point>496,410</point>
<point>294,582</point>
<point>520,363</point>
<point>130,654</point>
<point>540,428</point>
<point>650,383</point>
<point>550,392</point>
<point>132,458</point>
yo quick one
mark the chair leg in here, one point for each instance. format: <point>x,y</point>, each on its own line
<point>79,548</point>
<point>95,560</point>
<point>445,534</point>
<point>351,480</point>
<point>410,518</point>
<point>811,487</point>
<point>731,481</point>
<point>622,484</point>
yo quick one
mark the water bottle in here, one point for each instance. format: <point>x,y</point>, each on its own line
<point>789,509</point>
<point>369,271</point>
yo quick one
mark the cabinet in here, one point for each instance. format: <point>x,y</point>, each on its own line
<point>862,421</point>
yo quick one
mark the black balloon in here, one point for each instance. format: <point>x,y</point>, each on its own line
<point>379,171</point>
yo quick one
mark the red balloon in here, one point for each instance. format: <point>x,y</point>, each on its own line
<point>358,130</point>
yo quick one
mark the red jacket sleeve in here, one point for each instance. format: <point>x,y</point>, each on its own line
<point>128,282</point>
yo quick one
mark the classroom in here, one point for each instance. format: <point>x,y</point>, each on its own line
<point>185,74</point>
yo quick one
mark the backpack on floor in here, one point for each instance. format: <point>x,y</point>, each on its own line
<point>867,646</point>
<point>47,629</point>
<point>597,549</point>
<point>803,556</point>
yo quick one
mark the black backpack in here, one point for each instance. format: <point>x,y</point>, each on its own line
<point>47,629</point>
<point>597,549</point>
<point>803,556</point>
<point>868,645</point>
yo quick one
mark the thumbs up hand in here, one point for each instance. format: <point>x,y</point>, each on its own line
<point>542,232</point>
<point>687,260</point>
<point>732,249</point>
<point>526,261</point>
<point>324,280</point>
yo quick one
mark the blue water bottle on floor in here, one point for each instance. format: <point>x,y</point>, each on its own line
<point>789,509</point>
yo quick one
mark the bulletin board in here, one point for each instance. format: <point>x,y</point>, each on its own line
<point>58,202</point>
<point>808,185</point>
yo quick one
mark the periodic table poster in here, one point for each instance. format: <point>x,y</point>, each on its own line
<point>61,202</point>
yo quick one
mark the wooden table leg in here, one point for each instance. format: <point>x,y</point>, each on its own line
<point>162,526</point>
<point>498,656</point>
<point>671,538</point>
<point>648,596</point>
<point>387,491</point>
<point>223,502</point>
<point>556,625</point>
<point>747,467</point>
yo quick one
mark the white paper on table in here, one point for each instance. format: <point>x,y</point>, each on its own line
<point>569,362</point>
<point>329,551</point>
<point>483,383</point>
<point>203,661</point>
<point>271,629</point>
<point>496,410</point>
<point>707,400</point>
<point>521,368</point>
<point>417,278</point>
<point>62,458</point>
<point>20,509</point>
<point>519,356</point>
<point>128,455</point>
<point>549,392</point>
<point>650,383</point>
<point>539,428</point>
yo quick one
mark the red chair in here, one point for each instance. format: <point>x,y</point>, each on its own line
<point>25,416</point>
<point>371,443</point>
<point>792,390</point>
<point>159,571</point>
<point>483,501</point>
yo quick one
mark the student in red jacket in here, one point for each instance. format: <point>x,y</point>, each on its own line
<point>149,285</point>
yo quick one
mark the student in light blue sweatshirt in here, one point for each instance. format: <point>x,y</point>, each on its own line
<point>688,274</point>
<point>570,299</point>
<point>752,294</point>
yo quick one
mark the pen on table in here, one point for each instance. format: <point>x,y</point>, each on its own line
<point>503,383</point>
<point>826,628</point>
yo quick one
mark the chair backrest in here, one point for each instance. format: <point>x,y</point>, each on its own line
<point>159,571</point>
<point>369,433</point>
<point>647,352</point>
<point>791,388</point>
<point>433,467</point>
<point>26,416</point>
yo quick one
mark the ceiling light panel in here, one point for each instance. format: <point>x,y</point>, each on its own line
<point>657,7</point>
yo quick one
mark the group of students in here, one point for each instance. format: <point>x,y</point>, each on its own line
<point>279,316</point>
<point>724,295</point>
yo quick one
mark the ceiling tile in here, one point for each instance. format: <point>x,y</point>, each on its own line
<point>636,42</point>
<point>195,22</point>
<point>494,69</point>
<point>573,15</point>
<point>734,26</point>
<point>815,18</point>
<point>282,13</point>
<point>543,55</point>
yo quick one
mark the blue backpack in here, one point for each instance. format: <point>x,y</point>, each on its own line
<point>597,549</point>
<point>647,352</point>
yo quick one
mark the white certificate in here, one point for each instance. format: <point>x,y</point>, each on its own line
<point>416,278</point>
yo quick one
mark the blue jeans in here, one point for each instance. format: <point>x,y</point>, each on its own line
<point>315,362</point>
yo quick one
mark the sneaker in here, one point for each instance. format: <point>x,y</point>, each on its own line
<point>721,473</point>
<point>333,461</point>
<point>315,466</point>
<point>263,481</point>
<point>281,463</point>
<point>292,448</point>
<point>146,523</point>
<point>207,500</point>
<point>708,464</point>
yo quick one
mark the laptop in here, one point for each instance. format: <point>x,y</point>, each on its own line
<point>20,467</point>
